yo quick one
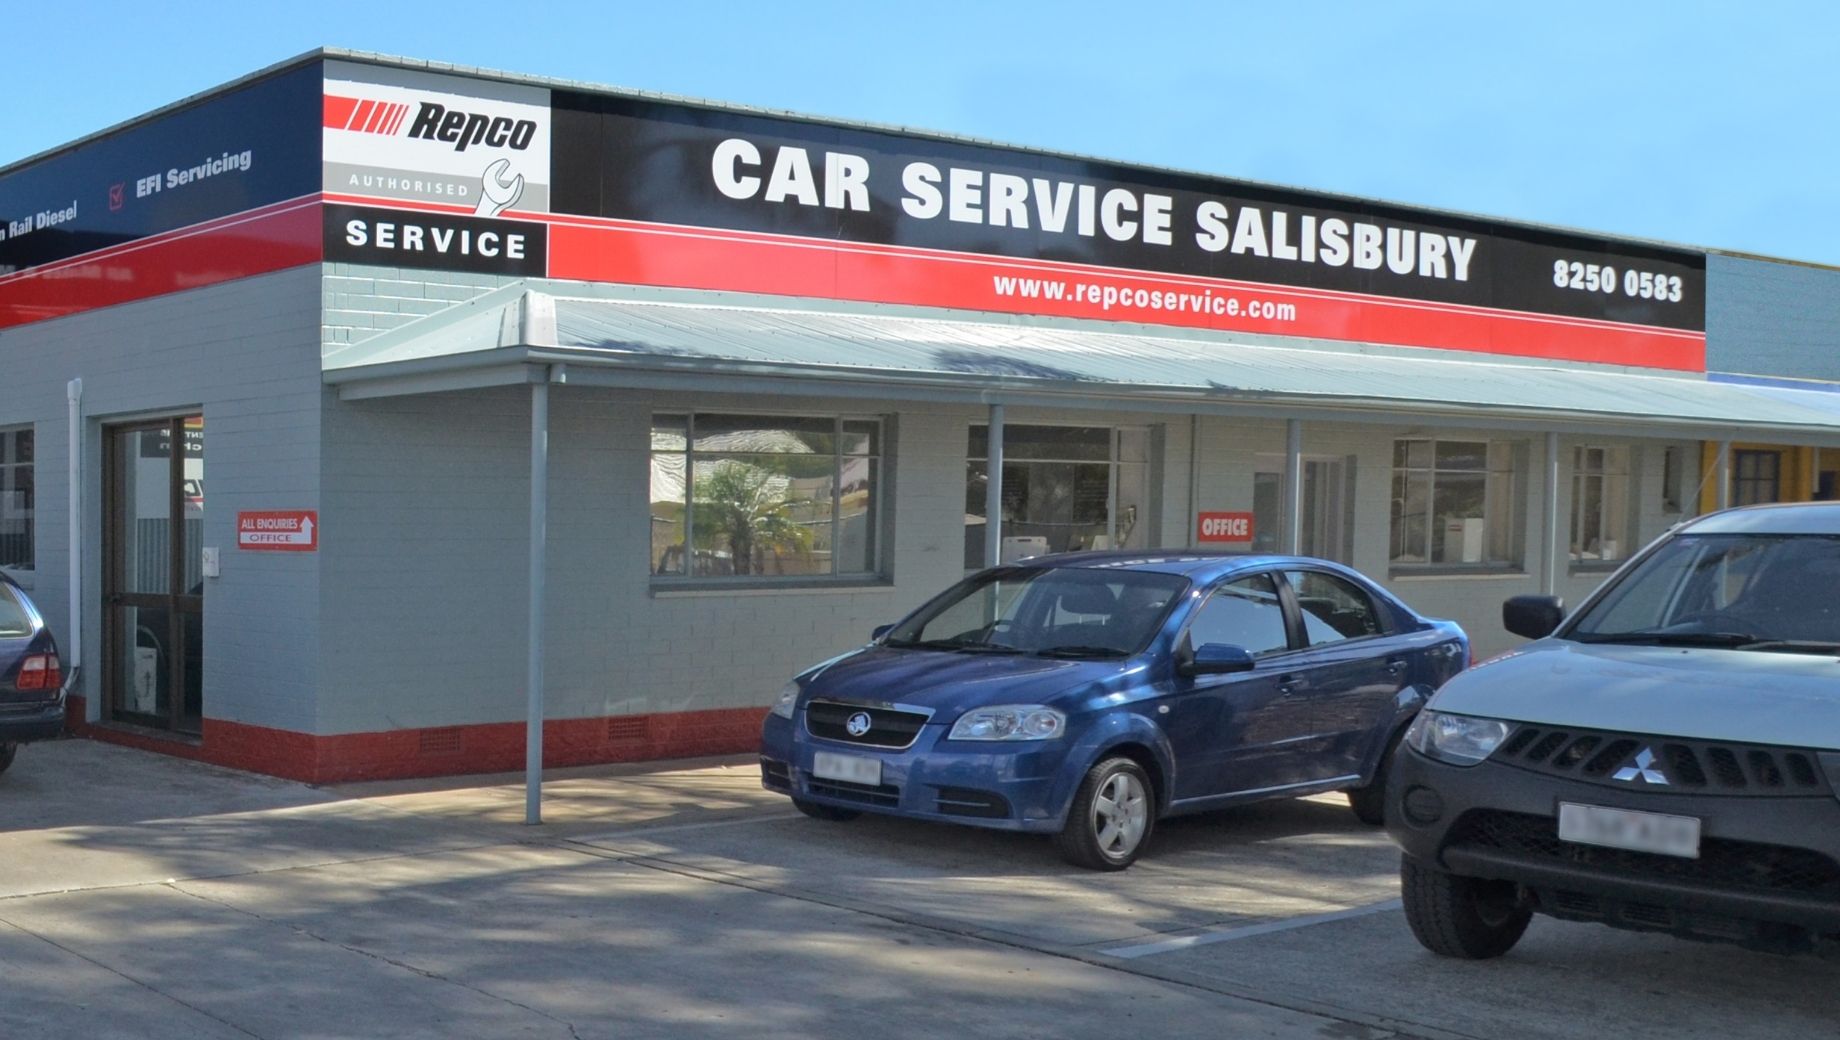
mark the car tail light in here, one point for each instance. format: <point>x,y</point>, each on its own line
<point>40,672</point>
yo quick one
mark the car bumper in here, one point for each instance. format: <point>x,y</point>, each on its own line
<point>1768,873</point>
<point>19,724</point>
<point>1017,787</point>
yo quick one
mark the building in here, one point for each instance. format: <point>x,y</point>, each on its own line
<point>689,396</point>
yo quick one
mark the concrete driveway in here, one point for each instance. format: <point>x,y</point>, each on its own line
<point>149,897</point>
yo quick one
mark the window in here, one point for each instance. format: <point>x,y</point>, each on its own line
<point>758,495</point>
<point>1244,613</point>
<point>1454,504</point>
<point>1064,487</point>
<point>1600,505</point>
<point>16,496</point>
<point>1756,476</point>
<point>1333,609</point>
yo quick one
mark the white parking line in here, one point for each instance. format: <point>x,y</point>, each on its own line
<point>1246,931</point>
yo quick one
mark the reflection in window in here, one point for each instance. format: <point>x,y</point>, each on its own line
<point>1244,613</point>
<point>16,499</point>
<point>1454,503</point>
<point>1333,609</point>
<point>741,495</point>
<point>1600,504</point>
<point>1064,488</point>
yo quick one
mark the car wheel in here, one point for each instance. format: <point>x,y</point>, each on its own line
<point>1369,803</point>
<point>1454,916</point>
<point>1111,818</point>
<point>7,751</point>
<point>824,812</point>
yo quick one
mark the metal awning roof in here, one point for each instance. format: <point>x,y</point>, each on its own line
<point>721,342</point>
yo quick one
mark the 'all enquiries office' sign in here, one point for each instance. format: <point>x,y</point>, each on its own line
<point>278,530</point>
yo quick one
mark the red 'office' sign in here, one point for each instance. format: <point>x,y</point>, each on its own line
<point>1223,527</point>
<point>278,530</point>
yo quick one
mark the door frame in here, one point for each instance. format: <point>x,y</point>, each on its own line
<point>177,604</point>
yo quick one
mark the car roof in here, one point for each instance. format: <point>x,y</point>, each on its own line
<point>1194,564</point>
<point>1784,518</point>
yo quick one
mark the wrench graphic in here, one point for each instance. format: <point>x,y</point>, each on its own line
<point>495,193</point>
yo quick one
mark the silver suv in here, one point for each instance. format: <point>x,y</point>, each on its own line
<point>1665,759</point>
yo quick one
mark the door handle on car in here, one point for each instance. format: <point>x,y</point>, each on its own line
<point>1396,666</point>
<point>1288,685</point>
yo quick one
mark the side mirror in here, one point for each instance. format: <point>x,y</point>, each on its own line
<point>1218,659</point>
<point>879,631</point>
<point>1532,616</point>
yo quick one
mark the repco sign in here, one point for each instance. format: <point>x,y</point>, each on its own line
<point>464,129</point>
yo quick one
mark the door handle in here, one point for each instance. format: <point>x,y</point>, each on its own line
<point>1288,685</point>
<point>1396,667</point>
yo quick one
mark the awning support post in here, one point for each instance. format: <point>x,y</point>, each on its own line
<point>1722,474</point>
<point>1549,519</point>
<point>993,489</point>
<point>1293,486</point>
<point>533,664</point>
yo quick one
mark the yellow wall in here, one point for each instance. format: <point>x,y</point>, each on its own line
<point>1798,474</point>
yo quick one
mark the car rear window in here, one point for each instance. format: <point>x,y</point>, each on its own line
<point>14,621</point>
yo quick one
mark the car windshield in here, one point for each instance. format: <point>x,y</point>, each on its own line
<point>1742,591</point>
<point>1049,611</point>
<point>14,621</point>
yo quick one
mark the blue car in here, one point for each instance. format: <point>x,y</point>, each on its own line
<point>31,680</point>
<point>1086,695</point>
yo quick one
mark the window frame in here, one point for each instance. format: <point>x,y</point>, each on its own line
<point>879,525</point>
<point>1184,643</point>
<point>1114,464</point>
<point>1740,457</point>
<point>9,467</point>
<point>1605,475</point>
<point>1513,473</point>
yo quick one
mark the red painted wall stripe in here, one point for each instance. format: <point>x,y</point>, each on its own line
<point>445,751</point>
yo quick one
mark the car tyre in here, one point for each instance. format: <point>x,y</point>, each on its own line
<point>824,812</point>
<point>7,751</point>
<point>1113,813</point>
<point>1462,917</point>
<point>1369,803</point>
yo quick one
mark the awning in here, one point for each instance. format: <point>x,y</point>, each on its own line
<point>713,342</point>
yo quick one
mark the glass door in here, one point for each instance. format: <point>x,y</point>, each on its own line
<point>1328,506</point>
<point>153,594</point>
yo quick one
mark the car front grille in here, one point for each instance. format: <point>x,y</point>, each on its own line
<point>886,795</point>
<point>888,727</point>
<point>1689,766</point>
<point>1722,863</point>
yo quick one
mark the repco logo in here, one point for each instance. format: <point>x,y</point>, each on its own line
<point>465,129</point>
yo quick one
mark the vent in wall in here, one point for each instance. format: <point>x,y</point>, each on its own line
<point>629,729</point>
<point>446,741</point>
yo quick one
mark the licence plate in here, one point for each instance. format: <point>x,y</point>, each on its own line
<point>854,769</point>
<point>1628,829</point>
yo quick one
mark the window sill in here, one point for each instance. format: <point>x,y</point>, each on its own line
<point>1462,573</point>
<point>690,590</point>
<point>1605,567</point>
<point>24,579</point>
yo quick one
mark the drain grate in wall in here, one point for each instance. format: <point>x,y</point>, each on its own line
<point>448,741</point>
<point>629,729</point>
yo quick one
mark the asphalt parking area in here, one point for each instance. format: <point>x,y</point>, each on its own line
<point>679,901</point>
<point>1292,903</point>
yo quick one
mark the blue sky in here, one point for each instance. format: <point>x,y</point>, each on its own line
<point>1703,124</point>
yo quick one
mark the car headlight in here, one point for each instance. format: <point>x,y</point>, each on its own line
<point>788,696</point>
<point>1460,740</point>
<point>1009,722</point>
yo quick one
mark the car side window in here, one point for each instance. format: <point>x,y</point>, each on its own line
<point>1333,608</point>
<point>1246,613</point>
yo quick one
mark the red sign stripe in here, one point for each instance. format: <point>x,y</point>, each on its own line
<point>699,259</point>
<point>338,111</point>
<point>188,259</point>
